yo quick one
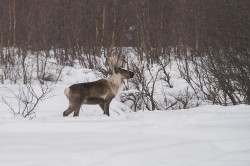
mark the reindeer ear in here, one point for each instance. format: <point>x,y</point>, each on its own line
<point>116,69</point>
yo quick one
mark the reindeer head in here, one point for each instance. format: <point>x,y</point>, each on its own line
<point>125,74</point>
<point>117,63</point>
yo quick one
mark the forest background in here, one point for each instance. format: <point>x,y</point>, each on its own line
<point>208,39</point>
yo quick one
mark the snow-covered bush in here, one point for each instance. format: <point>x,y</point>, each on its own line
<point>26,97</point>
<point>170,82</point>
<point>158,87</point>
<point>213,79</point>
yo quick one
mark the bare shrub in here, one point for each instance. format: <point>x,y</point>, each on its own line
<point>165,75</point>
<point>12,65</point>
<point>2,74</point>
<point>183,100</point>
<point>27,98</point>
<point>216,76</point>
<point>143,96</point>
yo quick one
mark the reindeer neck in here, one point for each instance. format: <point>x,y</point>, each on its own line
<point>116,79</point>
<point>116,83</point>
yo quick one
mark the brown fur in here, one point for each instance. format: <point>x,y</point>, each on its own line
<point>99,92</point>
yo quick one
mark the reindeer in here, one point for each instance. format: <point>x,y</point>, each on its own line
<point>99,92</point>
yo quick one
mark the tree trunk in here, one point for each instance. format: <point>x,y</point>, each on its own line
<point>103,23</point>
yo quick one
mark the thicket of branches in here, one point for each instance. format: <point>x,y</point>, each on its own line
<point>210,38</point>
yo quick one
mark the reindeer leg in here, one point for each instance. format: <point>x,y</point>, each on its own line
<point>77,110</point>
<point>102,105</point>
<point>68,111</point>
<point>106,106</point>
<point>106,110</point>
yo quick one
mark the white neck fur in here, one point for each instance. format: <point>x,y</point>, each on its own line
<point>117,80</point>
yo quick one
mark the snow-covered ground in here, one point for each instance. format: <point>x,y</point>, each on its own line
<point>208,135</point>
<point>202,136</point>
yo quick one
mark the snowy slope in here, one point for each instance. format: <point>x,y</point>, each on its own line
<point>209,135</point>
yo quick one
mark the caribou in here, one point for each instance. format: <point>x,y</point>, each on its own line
<point>99,92</point>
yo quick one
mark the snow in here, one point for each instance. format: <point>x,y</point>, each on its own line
<point>207,136</point>
<point>203,136</point>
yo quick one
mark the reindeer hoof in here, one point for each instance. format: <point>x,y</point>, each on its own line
<point>65,114</point>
